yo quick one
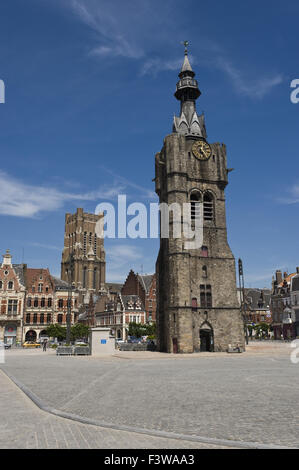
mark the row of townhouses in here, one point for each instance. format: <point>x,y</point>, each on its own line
<point>30,300</point>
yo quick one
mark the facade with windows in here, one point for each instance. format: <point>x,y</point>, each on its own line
<point>144,286</point>
<point>295,303</point>
<point>116,313</point>
<point>47,302</point>
<point>12,298</point>
<point>282,300</point>
<point>83,257</point>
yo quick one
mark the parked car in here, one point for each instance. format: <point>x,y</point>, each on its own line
<point>133,339</point>
<point>31,344</point>
<point>5,345</point>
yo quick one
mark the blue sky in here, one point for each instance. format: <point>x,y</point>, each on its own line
<point>89,98</point>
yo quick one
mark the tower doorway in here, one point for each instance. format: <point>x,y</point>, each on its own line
<point>206,338</point>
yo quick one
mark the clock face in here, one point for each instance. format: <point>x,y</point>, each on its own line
<point>201,150</point>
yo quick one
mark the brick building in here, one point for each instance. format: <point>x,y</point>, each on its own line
<point>46,303</point>
<point>257,302</point>
<point>117,312</point>
<point>12,298</point>
<point>144,286</point>
<point>284,318</point>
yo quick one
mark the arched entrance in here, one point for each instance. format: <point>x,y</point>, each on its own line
<point>43,334</point>
<point>206,336</point>
<point>30,335</point>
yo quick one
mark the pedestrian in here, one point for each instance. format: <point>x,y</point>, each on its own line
<point>45,345</point>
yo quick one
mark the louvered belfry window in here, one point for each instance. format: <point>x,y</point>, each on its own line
<point>208,207</point>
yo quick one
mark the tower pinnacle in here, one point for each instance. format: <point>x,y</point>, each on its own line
<point>187,92</point>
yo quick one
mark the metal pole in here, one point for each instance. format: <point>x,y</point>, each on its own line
<point>69,300</point>
<point>242,290</point>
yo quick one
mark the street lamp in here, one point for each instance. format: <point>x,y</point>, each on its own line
<point>242,296</point>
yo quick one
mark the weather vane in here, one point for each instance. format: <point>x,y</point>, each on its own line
<point>186,44</point>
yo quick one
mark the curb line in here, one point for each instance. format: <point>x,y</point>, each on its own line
<point>155,433</point>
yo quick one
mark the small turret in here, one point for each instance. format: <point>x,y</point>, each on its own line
<point>187,92</point>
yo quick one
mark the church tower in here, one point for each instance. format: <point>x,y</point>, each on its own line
<point>83,254</point>
<point>197,307</point>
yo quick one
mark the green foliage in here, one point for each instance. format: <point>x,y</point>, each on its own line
<point>56,331</point>
<point>261,330</point>
<point>138,330</point>
<point>79,331</point>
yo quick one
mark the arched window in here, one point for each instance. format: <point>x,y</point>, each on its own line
<point>10,285</point>
<point>95,278</point>
<point>84,277</point>
<point>95,244</point>
<point>60,303</point>
<point>59,318</point>
<point>194,198</point>
<point>204,271</point>
<point>49,318</point>
<point>204,251</point>
<point>35,318</point>
<point>35,303</point>
<point>42,318</point>
<point>28,318</point>
<point>1,284</point>
<point>208,206</point>
<point>84,243</point>
<point>205,296</point>
<point>49,302</point>
<point>43,302</point>
<point>194,303</point>
<point>29,302</point>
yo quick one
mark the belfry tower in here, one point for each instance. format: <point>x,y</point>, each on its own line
<point>197,307</point>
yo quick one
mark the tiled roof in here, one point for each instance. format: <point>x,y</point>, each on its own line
<point>114,287</point>
<point>19,270</point>
<point>32,274</point>
<point>146,281</point>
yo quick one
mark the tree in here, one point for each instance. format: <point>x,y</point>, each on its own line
<point>79,331</point>
<point>139,329</point>
<point>56,331</point>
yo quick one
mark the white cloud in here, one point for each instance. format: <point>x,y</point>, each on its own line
<point>45,246</point>
<point>100,17</point>
<point>293,198</point>
<point>155,65</point>
<point>24,200</point>
<point>256,88</point>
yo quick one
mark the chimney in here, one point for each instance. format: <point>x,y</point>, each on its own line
<point>278,277</point>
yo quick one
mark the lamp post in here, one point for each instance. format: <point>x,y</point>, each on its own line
<point>242,295</point>
<point>69,300</point>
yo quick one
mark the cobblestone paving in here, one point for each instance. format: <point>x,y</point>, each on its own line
<point>249,397</point>
<point>24,426</point>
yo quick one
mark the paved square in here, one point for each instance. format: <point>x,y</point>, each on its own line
<point>251,397</point>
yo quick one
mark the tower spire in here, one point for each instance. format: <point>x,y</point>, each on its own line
<point>187,92</point>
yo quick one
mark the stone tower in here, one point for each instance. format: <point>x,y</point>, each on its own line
<point>81,241</point>
<point>197,307</point>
